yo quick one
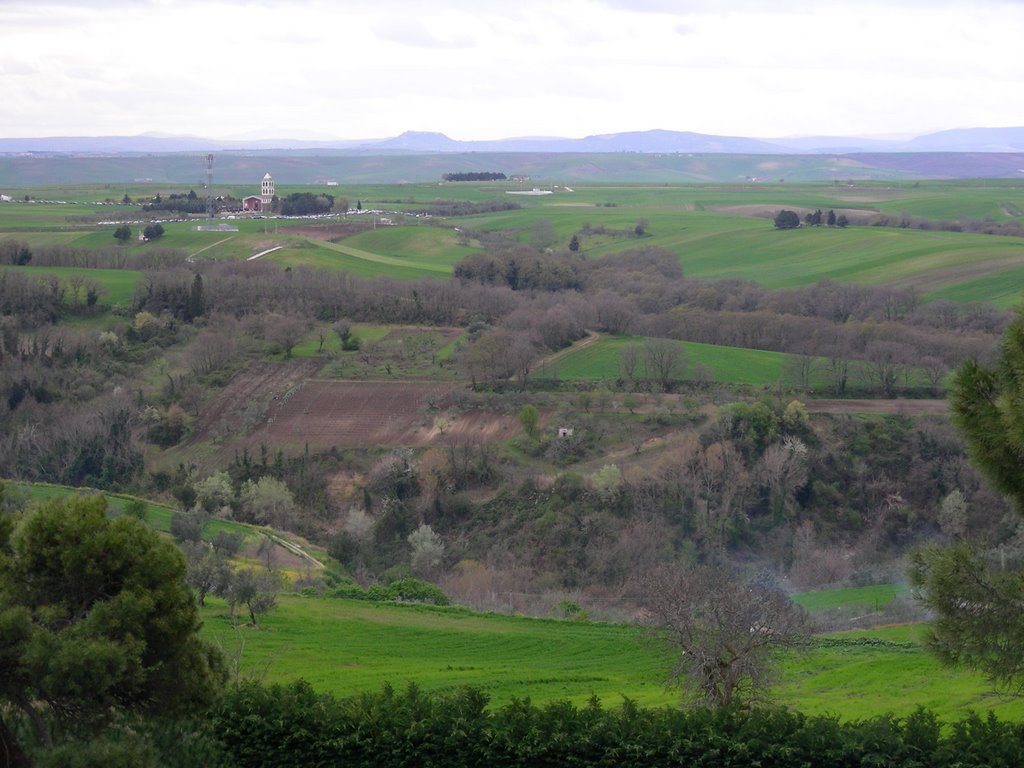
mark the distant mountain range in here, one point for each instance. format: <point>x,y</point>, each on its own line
<point>655,141</point>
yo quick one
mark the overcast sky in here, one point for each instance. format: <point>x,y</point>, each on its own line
<point>476,69</point>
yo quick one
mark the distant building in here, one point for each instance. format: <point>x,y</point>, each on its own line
<point>261,202</point>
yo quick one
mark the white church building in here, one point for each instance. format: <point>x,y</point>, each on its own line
<point>261,202</point>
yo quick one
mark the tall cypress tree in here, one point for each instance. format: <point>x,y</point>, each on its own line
<point>196,302</point>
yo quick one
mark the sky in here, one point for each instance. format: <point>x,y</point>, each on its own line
<point>476,69</point>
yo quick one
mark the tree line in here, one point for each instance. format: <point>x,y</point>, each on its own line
<point>475,176</point>
<point>13,251</point>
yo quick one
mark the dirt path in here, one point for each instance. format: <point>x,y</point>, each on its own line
<point>589,339</point>
<point>278,538</point>
<point>208,247</point>
<point>264,253</point>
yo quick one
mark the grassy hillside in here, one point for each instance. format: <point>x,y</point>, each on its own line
<point>157,515</point>
<point>734,365</point>
<point>119,284</point>
<point>599,361</point>
<point>345,647</point>
<point>871,598</point>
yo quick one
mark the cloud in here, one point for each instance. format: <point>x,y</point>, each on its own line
<point>475,69</point>
<point>414,34</point>
<point>13,68</point>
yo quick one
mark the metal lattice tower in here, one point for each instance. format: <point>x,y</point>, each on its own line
<point>211,208</point>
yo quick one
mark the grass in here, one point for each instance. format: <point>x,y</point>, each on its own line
<point>425,246</point>
<point>158,516</point>
<point>734,365</point>
<point>710,226</point>
<point>871,672</point>
<point>599,361</point>
<point>119,284</point>
<point>1003,289</point>
<point>364,332</point>
<point>873,597</point>
<point>344,647</point>
<point>715,245</point>
<point>395,352</point>
<point>402,264</point>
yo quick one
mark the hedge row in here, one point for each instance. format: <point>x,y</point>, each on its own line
<point>407,590</point>
<point>284,726</point>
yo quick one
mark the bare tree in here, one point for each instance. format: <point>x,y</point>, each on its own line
<point>285,331</point>
<point>838,369</point>
<point>664,361</point>
<point>614,313</point>
<point>800,369</point>
<point>215,348</point>
<point>715,479</point>
<point>722,630</point>
<point>935,371</point>
<point>75,285</point>
<point>783,471</point>
<point>499,355</point>
<point>884,362</point>
<point>629,363</point>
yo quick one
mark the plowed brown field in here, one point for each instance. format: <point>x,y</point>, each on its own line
<point>264,383</point>
<point>366,413</point>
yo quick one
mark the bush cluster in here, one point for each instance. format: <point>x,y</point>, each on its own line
<point>408,590</point>
<point>293,726</point>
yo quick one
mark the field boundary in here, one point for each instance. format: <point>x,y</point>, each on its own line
<point>378,258</point>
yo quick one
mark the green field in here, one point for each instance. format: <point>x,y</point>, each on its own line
<point>600,362</point>
<point>428,247</point>
<point>157,515</point>
<point>345,647</point>
<point>310,344</point>
<point>119,284</point>
<point>717,230</point>
<point>872,598</point>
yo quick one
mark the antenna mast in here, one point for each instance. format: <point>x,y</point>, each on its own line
<point>211,209</point>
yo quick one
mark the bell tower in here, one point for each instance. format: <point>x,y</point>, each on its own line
<point>267,190</point>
